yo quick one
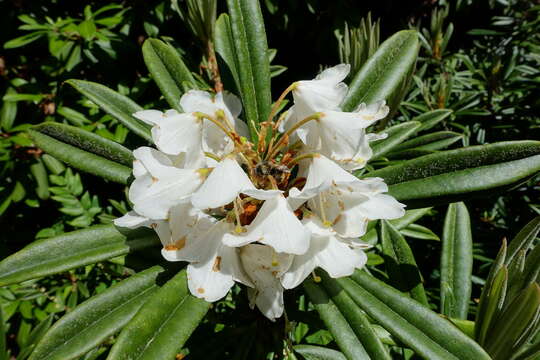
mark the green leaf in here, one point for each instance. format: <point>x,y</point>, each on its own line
<point>356,318</point>
<point>456,262</point>
<point>400,263</point>
<point>168,70</point>
<point>432,118</point>
<point>523,240</point>
<point>419,232</point>
<point>343,334</point>
<point>82,160</point>
<point>24,40</point>
<point>451,175</point>
<point>425,144</point>
<point>491,305</point>
<point>4,355</point>
<point>515,325</point>
<point>484,303</point>
<point>396,135</point>
<point>171,313</point>
<point>87,141</point>
<point>224,44</point>
<point>410,217</point>
<point>70,250</point>
<point>117,105</point>
<point>421,329</point>
<point>311,352</point>
<point>101,316</point>
<point>386,74</point>
<point>40,175</point>
<point>251,50</point>
<point>87,29</point>
<point>8,112</point>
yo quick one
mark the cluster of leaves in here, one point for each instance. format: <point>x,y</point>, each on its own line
<point>469,86</point>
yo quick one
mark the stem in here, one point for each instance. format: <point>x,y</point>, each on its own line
<point>273,152</point>
<point>278,102</point>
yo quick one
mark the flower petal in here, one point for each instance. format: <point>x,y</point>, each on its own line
<point>222,186</point>
<point>264,267</point>
<point>275,225</point>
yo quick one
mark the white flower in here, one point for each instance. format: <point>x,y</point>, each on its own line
<point>265,267</point>
<point>224,184</point>
<point>275,225</point>
<point>324,93</point>
<point>343,201</point>
<point>160,184</point>
<point>327,250</point>
<point>264,215</point>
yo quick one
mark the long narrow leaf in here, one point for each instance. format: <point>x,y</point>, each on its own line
<point>81,159</point>
<point>93,321</point>
<point>396,135</point>
<point>87,141</point>
<point>117,105</point>
<point>386,74</point>
<point>162,325</point>
<point>335,322</point>
<point>456,262</point>
<point>415,325</point>
<point>251,49</point>
<point>311,352</point>
<point>70,250</point>
<point>400,263</point>
<point>168,70</point>
<point>356,319</point>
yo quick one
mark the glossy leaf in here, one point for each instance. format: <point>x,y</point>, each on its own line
<point>311,352</point>
<point>386,74</point>
<point>170,313</point>
<point>491,305</point>
<point>515,325</point>
<point>432,118</point>
<point>334,320</point>
<point>356,319</point>
<point>251,49</point>
<point>168,70</point>
<point>396,135</point>
<point>456,262</point>
<point>482,320</point>
<point>87,141</point>
<point>93,321</point>
<point>81,159</point>
<point>410,217</point>
<point>425,144</point>
<point>400,263</point>
<point>225,48</point>
<point>451,175</point>
<point>117,105</point>
<point>421,329</point>
<point>523,240</point>
<point>416,231</point>
<point>70,250</point>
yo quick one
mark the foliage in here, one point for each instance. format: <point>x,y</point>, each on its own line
<point>457,110</point>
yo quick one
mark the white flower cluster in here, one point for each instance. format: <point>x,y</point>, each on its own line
<point>262,212</point>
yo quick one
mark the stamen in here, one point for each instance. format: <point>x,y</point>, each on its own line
<point>280,100</point>
<point>237,212</point>
<point>212,156</point>
<point>220,114</point>
<point>286,135</point>
<point>201,115</point>
<point>275,261</point>
<point>302,157</point>
<point>326,222</point>
<point>316,277</point>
